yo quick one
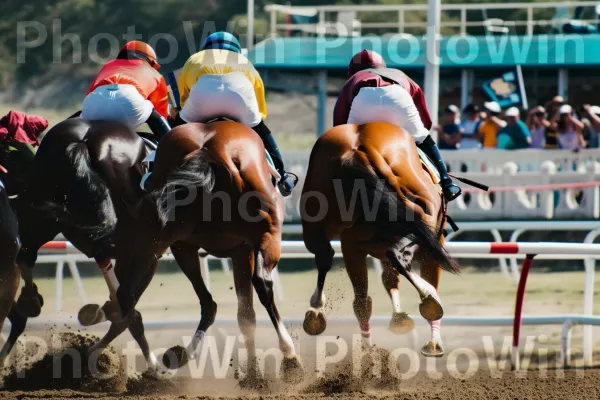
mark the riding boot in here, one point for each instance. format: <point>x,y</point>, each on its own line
<point>450,189</point>
<point>158,124</point>
<point>286,183</point>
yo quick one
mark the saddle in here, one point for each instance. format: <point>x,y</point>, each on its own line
<point>429,167</point>
<point>147,162</point>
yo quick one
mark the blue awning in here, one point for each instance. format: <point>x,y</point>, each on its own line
<point>407,51</point>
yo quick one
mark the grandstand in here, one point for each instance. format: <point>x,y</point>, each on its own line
<point>553,43</point>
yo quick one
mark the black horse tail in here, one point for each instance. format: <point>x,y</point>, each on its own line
<point>388,210</point>
<point>194,172</point>
<point>86,189</point>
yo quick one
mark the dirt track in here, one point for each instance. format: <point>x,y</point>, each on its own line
<point>480,386</point>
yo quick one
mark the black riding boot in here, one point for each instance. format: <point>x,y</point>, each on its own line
<point>158,124</point>
<point>450,189</point>
<point>286,183</point>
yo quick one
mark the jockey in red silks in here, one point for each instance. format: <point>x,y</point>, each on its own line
<point>130,90</point>
<point>376,93</point>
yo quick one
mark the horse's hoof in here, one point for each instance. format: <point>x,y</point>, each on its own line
<point>293,372</point>
<point>112,311</point>
<point>175,358</point>
<point>432,349</point>
<point>30,304</point>
<point>314,322</point>
<point>431,309</point>
<point>91,314</point>
<point>401,323</point>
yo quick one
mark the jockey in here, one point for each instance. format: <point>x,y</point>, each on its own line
<point>130,90</point>
<point>376,93</point>
<point>219,81</point>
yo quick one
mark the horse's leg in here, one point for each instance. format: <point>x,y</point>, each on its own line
<point>243,268</point>
<point>356,267</point>
<point>401,255</point>
<point>401,322</point>
<point>186,256</point>
<point>317,243</point>
<point>17,326</point>
<point>266,259</point>
<point>431,272</point>
<point>92,314</point>
<point>34,233</point>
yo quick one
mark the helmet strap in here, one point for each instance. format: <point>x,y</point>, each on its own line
<point>133,55</point>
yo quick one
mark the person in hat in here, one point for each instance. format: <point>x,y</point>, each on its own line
<point>449,134</point>
<point>537,123</point>
<point>491,125</point>
<point>515,135</point>
<point>470,128</point>
<point>570,129</point>
<point>374,92</point>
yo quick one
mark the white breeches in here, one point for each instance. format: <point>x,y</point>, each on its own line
<point>391,104</point>
<point>230,95</point>
<point>122,103</point>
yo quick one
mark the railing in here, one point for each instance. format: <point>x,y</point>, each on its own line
<point>455,18</point>
<point>291,249</point>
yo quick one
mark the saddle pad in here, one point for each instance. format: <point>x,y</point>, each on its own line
<point>429,167</point>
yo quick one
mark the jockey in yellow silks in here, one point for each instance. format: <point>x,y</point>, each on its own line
<point>219,81</point>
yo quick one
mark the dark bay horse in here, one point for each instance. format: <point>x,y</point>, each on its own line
<point>82,179</point>
<point>9,273</point>
<point>210,188</point>
<point>399,215</point>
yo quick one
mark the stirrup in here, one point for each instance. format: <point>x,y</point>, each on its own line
<point>451,191</point>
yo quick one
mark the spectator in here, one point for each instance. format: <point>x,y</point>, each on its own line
<point>489,128</point>
<point>592,115</point>
<point>515,135</point>
<point>470,128</point>
<point>570,129</point>
<point>537,124</point>
<point>450,132</point>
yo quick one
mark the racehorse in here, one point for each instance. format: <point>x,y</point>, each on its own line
<point>210,188</point>
<point>9,273</point>
<point>399,215</point>
<point>82,179</point>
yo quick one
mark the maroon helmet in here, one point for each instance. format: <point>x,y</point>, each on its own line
<point>365,59</point>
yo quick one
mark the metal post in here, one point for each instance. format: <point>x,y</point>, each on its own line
<point>519,309</point>
<point>321,102</point>
<point>432,66</point>
<point>563,83</point>
<point>273,23</point>
<point>250,31</point>
<point>466,87</point>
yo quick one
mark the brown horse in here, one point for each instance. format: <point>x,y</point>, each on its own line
<point>210,188</point>
<point>399,215</point>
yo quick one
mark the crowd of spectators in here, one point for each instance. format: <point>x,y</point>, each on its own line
<point>556,125</point>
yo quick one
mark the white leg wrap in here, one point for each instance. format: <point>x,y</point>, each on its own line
<point>193,346</point>
<point>287,345</point>
<point>395,294</point>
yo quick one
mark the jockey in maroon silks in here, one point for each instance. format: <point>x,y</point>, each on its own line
<point>376,93</point>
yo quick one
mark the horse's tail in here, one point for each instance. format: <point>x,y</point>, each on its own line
<point>86,188</point>
<point>195,171</point>
<point>391,214</point>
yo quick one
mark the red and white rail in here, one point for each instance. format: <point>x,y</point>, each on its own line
<point>297,249</point>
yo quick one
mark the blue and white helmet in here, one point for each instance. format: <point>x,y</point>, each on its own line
<point>222,41</point>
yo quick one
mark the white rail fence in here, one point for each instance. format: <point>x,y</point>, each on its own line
<point>296,249</point>
<point>352,20</point>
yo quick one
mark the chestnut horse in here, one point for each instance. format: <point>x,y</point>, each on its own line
<point>398,215</point>
<point>210,188</point>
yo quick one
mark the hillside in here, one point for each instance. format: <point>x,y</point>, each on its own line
<point>50,49</point>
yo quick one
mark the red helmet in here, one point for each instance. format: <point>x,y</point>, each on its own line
<point>144,49</point>
<point>365,59</point>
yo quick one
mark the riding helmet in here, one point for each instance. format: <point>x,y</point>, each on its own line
<point>222,41</point>
<point>365,59</point>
